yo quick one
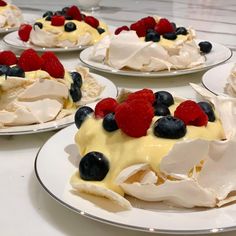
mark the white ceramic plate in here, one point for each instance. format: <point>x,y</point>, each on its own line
<point>28,18</point>
<point>109,91</point>
<point>219,54</point>
<point>151,217</point>
<point>216,78</point>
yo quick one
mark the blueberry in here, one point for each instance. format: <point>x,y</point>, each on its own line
<point>93,166</point>
<point>181,30</point>
<point>75,93</point>
<point>3,69</point>
<point>81,114</point>
<point>39,24</point>
<point>109,122</point>
<point>77,79</point>
<point>100,30</point>
<point>68,17</point>
<point>152,36</point>
<point>174,25</point>
<point>161,109</point>
<point>15,71</point>
<point>58,13</point>
<point>48,13</point>
<point>48,18</point>
<point>169,127</point>
<point>170,36</point>
<point>207,108</point>
<point>70,26</point>
<point>64,10</point>
<point>164,97</point>
<point>205,46</point>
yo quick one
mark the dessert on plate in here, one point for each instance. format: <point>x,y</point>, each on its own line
<point>65,28</point>
<point>158,147</point>
<point>37,89</point>
<point>230,87</point>
<point>151,44</point>
<point>10,15</point>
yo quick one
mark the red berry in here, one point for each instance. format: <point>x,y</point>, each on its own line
<point>7,58</point>
<point>58,20</point>
<point>52,65</point>
<point>149,22</point>
<point>118,30</point>
<point>105,106</point>
<point>29,60</point>
<point>134,118</point>
<point>140,28</point>
<point>74,12</point>
<point>24,32</point>
<point>91,21</point>
<point>163,26</point>
<point>191,113</point>
<point>145,94</point>
<point>2,3</point>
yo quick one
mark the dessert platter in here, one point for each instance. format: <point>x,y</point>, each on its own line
<point>37,93</point>
<point>64,30</point>
<point>148,158</point>
<point>154,46</point>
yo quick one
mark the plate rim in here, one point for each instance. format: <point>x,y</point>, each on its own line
<point>109,222</point>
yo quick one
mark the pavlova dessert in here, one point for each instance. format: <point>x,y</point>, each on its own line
<point>10,15</point>
<point>151,44</point>
<point>65,28</point>
<point>37,89</point>
<point>230,87</point>
<point>156,147</point>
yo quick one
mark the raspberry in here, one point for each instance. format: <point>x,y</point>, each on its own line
<point>90,20</point>
<point>52,65</point>
<point>134,118</point>
<point>191,113</point>
<point>164,26</point>
<point>105,106</point>
<point>122,28</point>
<point>24,32</point>
<point>58,20</point>
<point>29,60</point>
<point>8,58</point>
<point>74,12</point>
<point>145,94</point>
<point>149,22</point>
<point>2,3</point>
<point>140,28</point>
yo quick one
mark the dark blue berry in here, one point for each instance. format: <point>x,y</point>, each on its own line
<point>15,71</point>
<point>170,36</point>
<point>58,13</point>
<point>161,109</point>
<point>181,30</point>
<point>94,166</point>
<point>3,69</point>
<point>48,13</point>
<point>169,127</point>
<point>68,17</point>
<point>64,10</point>
<point>48,18</point>
<point>205,46</point>
<point>207,108</point>
<point>174,25</point>
<point>39,24</point>
<point>70,26</point>
<point>164,97</point>
<point>109,122</point>
<point>81,114</point>
<point>100,30</point>
<point>77,79</point>
<point>152,36</point>
<point>75,93</point>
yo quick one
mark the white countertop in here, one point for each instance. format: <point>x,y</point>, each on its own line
<point>26,209</point>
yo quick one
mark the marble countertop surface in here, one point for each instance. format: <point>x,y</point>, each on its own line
<point>26,209</point>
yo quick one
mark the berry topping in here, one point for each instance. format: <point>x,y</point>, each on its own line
<point>105,106</point>
<point>92,21</point>
<point>77,79</point>
<point>169,127</point>
<point>93,166</point>
<point>205,46</point>
<point>2,3</point>
<point>7,58</point>
<point>191,113</point>
<point>68,17</point>
<point>52,65</point>
<point>48,18</point>
<point>181,30</point>
<point>152,36</point>
<point>134,117</point>
<point>170,36</point>
<point>164,26</point>
<point>109,122</point>
<point>57,20</point>
<point>100,30</point>
<point>3,69</point>
<point>58,13</point>
<point>208,109</point>
<point>75,93</point>
<point>120,29</point>
<point>174,25</point>
<point>24,32</point>
<point>29,60</point>
<point>70,26</point>
<point>74,12</point>
<point>164,98</point>
<point>81,114</point>
<point>161,110</point>
<point>64,10</point>
<point>149,22</point>
<point>144,94</point>
<point>139,27</point>
<point>48,13</point>
<point>39,24</point>
<point>16,71</point>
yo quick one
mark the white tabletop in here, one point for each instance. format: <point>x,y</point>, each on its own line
<point>26,209</point>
